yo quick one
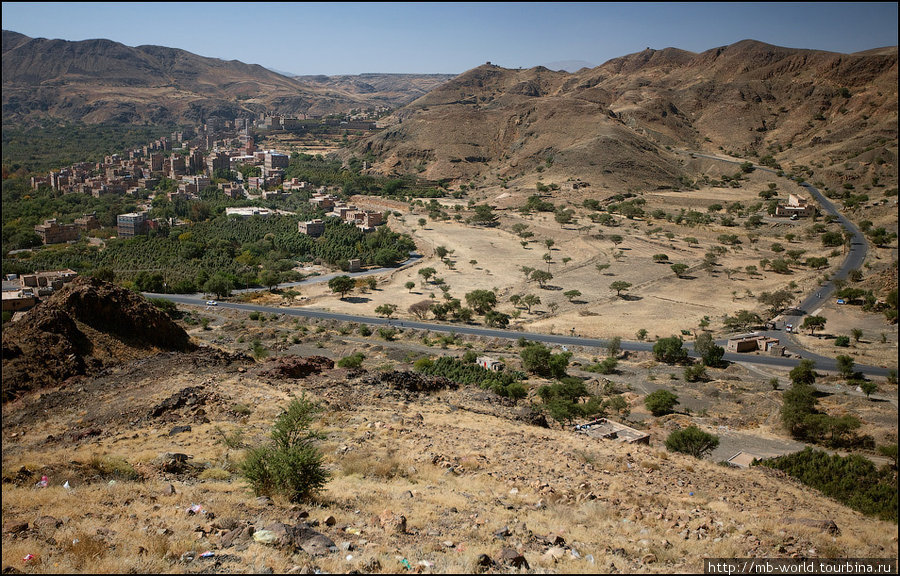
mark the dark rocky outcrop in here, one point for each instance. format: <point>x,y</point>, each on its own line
<point>88,325</point>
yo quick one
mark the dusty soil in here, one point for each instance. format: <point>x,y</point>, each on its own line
<point>657,300</point>
<point>469,472</point>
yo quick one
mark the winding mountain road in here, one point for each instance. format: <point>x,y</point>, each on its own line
<point>854,260</point>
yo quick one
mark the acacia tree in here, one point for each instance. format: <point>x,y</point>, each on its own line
<point>679,268</point>
<point>481,301</point>
<point>813,323</point>
<point>541,277</point>
<point>386,310</point>
<point>420,309</point>
<point>218,284</point>
<point>484,215</point>
<point>571,294</point>
<point>777,300</point>
<point>269,278</point>
<point>708,350</point>
<point>427,273</point>
<point>530,300</point>
<point>620,286</point>
<point>342,284</point>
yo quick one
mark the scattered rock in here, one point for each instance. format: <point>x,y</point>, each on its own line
<point>265,537</point>
<point>292,366</point>
<point>392,523</point>
<point>317,544</point>
<point>553,554</point>
<point>193,396</point>
<point>484,562</point>
<point>47,523</point>
<point>512,558</point>
<point>14,527</point>
<point>179,429</point>
<point>169,490</point>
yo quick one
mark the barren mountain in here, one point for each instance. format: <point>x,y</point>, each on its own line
<point>613,121</point>
<point>101,80</point>
<point>391,90</point>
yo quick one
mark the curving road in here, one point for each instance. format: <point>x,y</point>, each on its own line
<point>468,329</point>
<point>814,300</point>
<point>854,260</point>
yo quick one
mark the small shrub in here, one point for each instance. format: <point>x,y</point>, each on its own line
<point>387,333</point>
<point>661,402</point>
<point>215,474</point>
<point>232,440</point>
<point>113,468</point>
<point>355,360</point>
<point>291,464</point>
<point>241,409</point>
<point>842,341</point>
<point>693,441</point>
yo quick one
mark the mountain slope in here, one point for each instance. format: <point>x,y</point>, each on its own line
<point>100,80</point>
<point>748,98</point>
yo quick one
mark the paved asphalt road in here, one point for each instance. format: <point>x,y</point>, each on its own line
<point>560,340</point>
<point>854,260</point>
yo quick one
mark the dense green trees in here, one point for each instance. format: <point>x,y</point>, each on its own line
<point>232,246</point>
<point>538,359</point>
<point>505,383</point>
<point>853,480</point>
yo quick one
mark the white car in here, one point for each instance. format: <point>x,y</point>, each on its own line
<point>212,303</point>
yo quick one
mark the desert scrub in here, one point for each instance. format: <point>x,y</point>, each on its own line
<point>112,468</point>
<point>291,465</point>
<point>215,474</point>
<point>354,360</point>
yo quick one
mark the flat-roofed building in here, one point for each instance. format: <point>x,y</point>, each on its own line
<point>52,232</point>
<point>313,228</point>
<point>131,224</point>
<point>276,160</point>
<point>248,211</point>
<point>608,430</point>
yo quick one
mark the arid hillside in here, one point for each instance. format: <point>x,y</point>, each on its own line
<point>142,470</point>
<point>104,81</point>
<point>835,112</point>
<point>392,90</point>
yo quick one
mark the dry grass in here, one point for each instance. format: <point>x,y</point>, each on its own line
<point>458,475</point>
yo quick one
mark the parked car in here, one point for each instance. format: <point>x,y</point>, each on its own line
<point>841,301</point>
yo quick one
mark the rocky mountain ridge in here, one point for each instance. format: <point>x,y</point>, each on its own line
<point>105,81</point>
<point>617,121</point>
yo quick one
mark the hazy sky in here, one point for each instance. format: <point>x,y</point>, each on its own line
<point>352,38</point>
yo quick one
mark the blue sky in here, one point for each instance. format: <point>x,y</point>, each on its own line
<point>353,38</point>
